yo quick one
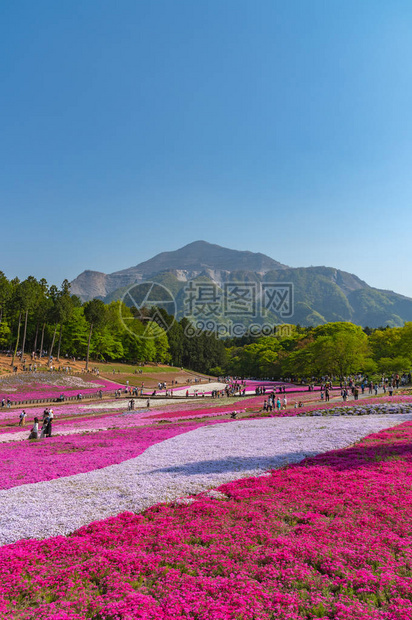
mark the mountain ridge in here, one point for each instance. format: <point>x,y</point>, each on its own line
<point>321,293</point>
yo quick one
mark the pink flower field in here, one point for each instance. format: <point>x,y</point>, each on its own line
<point>310,407</point>
<point>25,388</point>
<point>329,538</point>
<point>123,418</point>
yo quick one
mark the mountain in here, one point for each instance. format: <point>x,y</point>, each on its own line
<point>189,262</point>
<point>321,294</point>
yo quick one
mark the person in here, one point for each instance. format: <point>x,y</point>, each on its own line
<point>148,403</point>
<point>49,425</point>
<point>45,426</point>
<point>34,433</point>
<point>22,418</point>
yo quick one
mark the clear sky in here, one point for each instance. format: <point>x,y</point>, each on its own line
<point>131,127</point>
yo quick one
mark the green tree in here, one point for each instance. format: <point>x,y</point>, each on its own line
<point>5,333</point>
<point>75,333</point>
<point>94,311</point>
<point>339,349</point>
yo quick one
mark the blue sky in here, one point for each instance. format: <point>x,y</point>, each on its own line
<point>129,128</point>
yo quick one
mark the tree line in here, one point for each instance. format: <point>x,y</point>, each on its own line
<point>334,349</point>
<point>52,322</point>
<point>49,320</point>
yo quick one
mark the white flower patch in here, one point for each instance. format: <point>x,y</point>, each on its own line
<point>363,409</point>
<point>45,378</point>
<point>184,465</point>
<point>22,436</point>
<point>184,501</point>
<point>6,437</point>
<point>140,403</point>
<point>213,494</point>
<point>199,388</point>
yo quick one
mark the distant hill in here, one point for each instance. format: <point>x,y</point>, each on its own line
<point>321,294</point>
<point>189,262</point>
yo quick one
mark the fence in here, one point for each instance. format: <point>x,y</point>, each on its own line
<point>39,401</point>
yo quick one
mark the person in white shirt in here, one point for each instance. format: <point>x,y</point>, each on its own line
<point>34,433</point>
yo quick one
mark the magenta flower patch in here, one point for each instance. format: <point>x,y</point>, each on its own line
<point>328,538</point>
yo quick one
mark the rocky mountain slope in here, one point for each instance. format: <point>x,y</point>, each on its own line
<point>321,294</point>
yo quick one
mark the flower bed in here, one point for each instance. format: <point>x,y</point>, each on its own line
<point>372,404</point>
<point>121,405</point>
<point>381,408</point>
<point>34,386</point>
<point>103,421</point>
<point>250,385</point>
<point>329,538</point>
<point>29,462</point>
<point>186,463</point>
<point>210,409</point>
<point>97,423</point>
<point>100,420</point>
<point>61,412</point>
